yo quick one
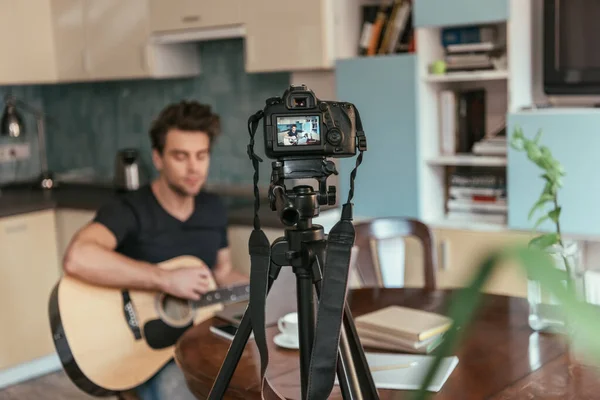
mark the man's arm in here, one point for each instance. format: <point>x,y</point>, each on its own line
<point>223,271</point>
<point>91,257</point>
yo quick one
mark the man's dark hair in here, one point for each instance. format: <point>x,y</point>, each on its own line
<point>185,116</point>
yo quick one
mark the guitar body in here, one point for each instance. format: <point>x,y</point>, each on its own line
<point>108,342</point>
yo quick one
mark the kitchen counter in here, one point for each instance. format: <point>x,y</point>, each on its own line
<point>22,198</point>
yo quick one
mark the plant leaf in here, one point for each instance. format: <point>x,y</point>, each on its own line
<point>554,214</point>
<point>582,317</point>
<point>544,241</point>
<point>533,151</point>
<point>544,198</point>
<point>537,137</point>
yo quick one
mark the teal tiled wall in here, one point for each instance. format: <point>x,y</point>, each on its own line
<point>98,118</point>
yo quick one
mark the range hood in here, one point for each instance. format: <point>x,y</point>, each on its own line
<point>199,34</point>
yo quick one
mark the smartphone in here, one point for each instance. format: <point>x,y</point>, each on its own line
<point>226,331</point>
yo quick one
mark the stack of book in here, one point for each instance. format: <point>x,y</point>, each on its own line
<point>402,329</point>
<point>387,28</point>
<point>491,146</point>
<point>477,196</point>
<point>472,48</point>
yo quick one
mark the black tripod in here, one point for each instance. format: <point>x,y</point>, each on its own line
<point>303,248</point>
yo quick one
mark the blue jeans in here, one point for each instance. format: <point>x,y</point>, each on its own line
<point>167,384</point>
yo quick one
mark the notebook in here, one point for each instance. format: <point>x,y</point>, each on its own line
<point>409,323</point>
<point>408,371</point>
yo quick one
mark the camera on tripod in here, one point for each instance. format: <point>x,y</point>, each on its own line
<point>299,124</point>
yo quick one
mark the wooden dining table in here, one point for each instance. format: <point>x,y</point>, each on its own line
<point>500,356</point>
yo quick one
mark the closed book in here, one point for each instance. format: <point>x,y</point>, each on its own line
<point>410,323</point>
<point>385,341</point>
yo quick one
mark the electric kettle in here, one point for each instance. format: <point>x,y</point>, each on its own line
<point>128,174</point>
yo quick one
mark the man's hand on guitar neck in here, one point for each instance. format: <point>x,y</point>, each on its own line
<point>188,283</point>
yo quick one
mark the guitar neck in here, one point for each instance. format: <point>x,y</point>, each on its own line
<point>225,295</point>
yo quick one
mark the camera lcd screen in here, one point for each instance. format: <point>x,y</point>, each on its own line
<point>299,130</point>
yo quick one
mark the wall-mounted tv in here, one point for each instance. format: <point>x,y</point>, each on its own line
<point>571,47</point>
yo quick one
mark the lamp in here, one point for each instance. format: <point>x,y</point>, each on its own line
<point>12,125</point>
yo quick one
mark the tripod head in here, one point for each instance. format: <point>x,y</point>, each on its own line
<point>301,203</point>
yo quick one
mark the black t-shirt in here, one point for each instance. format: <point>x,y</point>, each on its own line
<point>146,231</point>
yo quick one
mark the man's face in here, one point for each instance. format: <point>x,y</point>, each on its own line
<point>185,160</point>
<point>293,128</point>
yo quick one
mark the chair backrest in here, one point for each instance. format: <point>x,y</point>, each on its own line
<point>368,232</point>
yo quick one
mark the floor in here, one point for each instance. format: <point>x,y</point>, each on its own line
<point>56,386</point>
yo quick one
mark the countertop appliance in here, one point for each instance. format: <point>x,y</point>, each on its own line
<point>128,172</point>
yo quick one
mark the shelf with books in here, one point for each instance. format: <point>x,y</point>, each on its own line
<point>467,76</point>
<point>468,160</point>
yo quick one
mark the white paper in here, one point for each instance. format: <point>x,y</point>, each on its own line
<point>410,377</point>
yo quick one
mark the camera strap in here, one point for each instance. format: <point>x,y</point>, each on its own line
<point>333,285</point>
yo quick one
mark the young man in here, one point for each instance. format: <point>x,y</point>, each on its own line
<point>168,218</point>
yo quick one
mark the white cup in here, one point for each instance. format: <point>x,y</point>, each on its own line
<point>288,325</point>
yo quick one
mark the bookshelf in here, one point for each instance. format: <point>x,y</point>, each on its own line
<point>507,89</point>
<point>399,101</point>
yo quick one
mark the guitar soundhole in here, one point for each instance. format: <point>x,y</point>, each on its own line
<point>175,311</point>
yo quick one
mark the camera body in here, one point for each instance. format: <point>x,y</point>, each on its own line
<point>300,125</point>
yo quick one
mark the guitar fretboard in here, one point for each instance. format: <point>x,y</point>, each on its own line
<point>229,294</point>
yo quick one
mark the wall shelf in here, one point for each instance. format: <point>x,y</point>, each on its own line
<point>476,76</point>
<point>494,75</point>
<point>469,160</point>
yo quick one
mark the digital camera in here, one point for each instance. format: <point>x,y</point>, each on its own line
<point>299,124</point>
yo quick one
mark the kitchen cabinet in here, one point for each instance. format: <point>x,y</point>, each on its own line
<point>459,12</point>
<point>187,14</point>
<point>299,35</point>
<point>29,269</point>
<point>68,223</point>
<point>238,236</point>
<point>459,255</point>
<point>69,38</point>
<point>87,49</point>
<point>26,46</point>
<point>86,40</point>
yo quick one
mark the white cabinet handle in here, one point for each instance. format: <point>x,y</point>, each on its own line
<point>445,253</point>
<point>15,228</point>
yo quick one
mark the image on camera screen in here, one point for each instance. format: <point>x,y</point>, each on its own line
<point>299,130</point>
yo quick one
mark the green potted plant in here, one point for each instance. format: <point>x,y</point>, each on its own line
<point>539,261</point>
<point>545,312</point>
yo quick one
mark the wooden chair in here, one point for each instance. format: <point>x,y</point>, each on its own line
<point>369,232</point>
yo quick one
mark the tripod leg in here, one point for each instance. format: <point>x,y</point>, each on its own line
<point>362,370</point>
<point>237,346</point>
<point>306,324</point>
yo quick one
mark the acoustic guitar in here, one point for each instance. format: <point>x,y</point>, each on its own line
<point>111,340</point>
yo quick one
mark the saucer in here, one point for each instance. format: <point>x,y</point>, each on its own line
<point>283,340</point>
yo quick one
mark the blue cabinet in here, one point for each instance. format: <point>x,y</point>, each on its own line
<point>573,137</point>
<point>459,12</point>
<point>384,90</point>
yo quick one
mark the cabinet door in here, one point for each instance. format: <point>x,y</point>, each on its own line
<point>185,14</point>
<point>69,39</point>
<point>117,32</point>
<point>461,253</point>
<point>387,180</point>
<point>26,42</point>
<point>287,35</point>
<point>68,223</point>
<point>28,271</point>
<point>459,12</point>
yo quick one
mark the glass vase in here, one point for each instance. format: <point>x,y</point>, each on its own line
<point>545,313</point>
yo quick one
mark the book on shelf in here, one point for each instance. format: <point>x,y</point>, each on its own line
<point>477,195</point>
<point>472,48</point>
<point>462,120</point>
<point>387,28</point>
